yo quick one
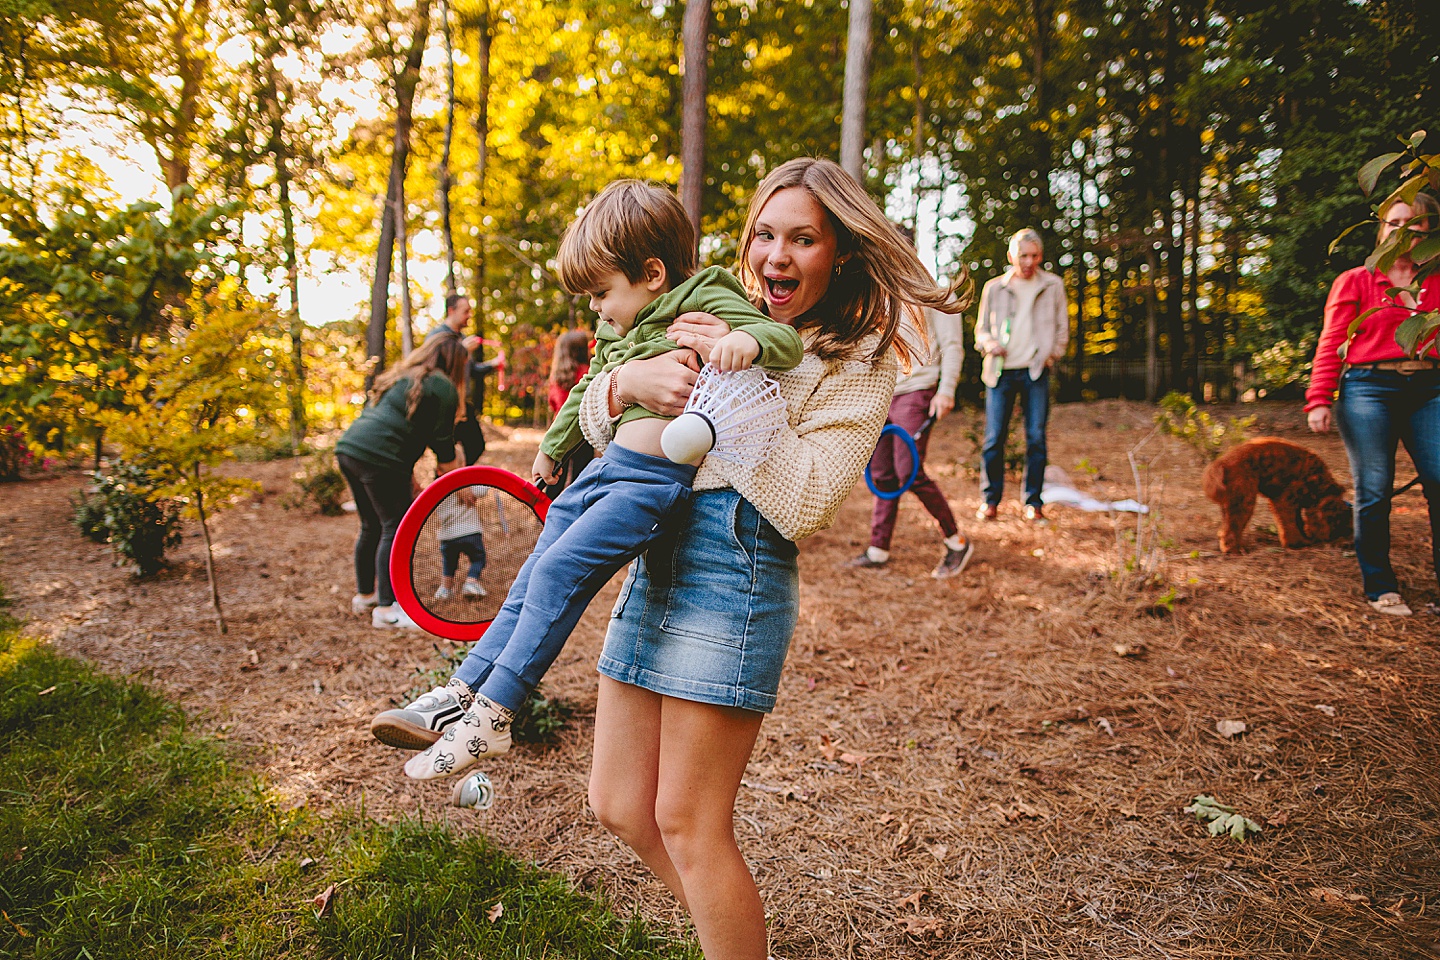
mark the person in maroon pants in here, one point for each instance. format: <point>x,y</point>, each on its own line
<point>927,391</point>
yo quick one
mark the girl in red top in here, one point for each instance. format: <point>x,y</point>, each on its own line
<point>1385,397</point>
<point>568,364</point>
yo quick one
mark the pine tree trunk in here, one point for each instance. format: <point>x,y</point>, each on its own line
<point>482,138</point>
<point>857,90</point>
<point>696,41</point>
<point>407,314</point>
<point>405,84</point>
<point>442,178</point>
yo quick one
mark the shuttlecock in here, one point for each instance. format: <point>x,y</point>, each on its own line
<point>734,416</point>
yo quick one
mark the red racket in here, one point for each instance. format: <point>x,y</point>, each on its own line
<point>470,507</point>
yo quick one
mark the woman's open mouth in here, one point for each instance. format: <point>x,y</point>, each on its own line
<point>780,289</point>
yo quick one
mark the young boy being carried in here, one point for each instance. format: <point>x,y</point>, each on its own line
<point>633,251</point>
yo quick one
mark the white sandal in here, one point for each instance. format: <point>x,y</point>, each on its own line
<point>1392,604</point>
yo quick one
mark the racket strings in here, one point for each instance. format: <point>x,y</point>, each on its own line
<point>496,534</point>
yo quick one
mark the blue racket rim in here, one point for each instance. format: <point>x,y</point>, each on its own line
<point>909,441</point>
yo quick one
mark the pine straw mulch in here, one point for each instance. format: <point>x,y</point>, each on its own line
<point>993,766</point>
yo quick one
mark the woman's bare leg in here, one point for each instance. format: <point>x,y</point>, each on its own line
<point>703,750</point>
<point>624,770</point>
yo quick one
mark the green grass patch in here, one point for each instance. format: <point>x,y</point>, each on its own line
<point>122,835</point>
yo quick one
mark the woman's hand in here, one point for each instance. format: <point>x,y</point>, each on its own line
<point>1319,420</point>
<point>660,384</point>
<point>698,331</point>
<point>941,404</point>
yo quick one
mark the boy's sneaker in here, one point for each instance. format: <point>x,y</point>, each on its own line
<point>484,731</point>
<point>392,617</point>
<point>953,562</point>
<point>419,724</point>
<point>474,791</point>
<point>472,588</point>
<point>361,604</point>
<point>443,593</point>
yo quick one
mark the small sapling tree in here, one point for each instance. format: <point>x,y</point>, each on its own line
<point>198,396</point>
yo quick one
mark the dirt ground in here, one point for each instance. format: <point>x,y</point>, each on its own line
<point>992,766</point>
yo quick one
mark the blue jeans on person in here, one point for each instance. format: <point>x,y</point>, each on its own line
<point>619,505</point>
<point>1035,407</point>
<point>382,495</point>
<point>1378,409</point>
<point>471,545</point>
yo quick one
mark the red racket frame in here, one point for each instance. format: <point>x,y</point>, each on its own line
<point>414,520</point>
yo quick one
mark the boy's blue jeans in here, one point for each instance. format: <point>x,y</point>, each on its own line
<point>472,545</point>
<point>618,506</point>
<point>1378,409</point>
<point>1035,407</point>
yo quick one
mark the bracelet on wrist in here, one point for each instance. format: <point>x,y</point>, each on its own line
<point>616,403</point>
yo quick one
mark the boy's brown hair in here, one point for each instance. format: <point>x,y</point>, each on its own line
<point>631,221</point>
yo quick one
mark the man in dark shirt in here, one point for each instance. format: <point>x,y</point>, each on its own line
<point>458,310</point>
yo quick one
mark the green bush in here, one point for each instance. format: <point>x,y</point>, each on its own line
<point>322,484</point>
<point>1180,417</point>
<point>15,453</point>
<point>123,511</point>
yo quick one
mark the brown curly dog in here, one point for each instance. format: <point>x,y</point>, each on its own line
<point>1309,505</point>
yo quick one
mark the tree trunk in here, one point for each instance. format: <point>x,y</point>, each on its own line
<point>482,138</point>
<point>281,157</point>
<point>857,89</point>
<point>442,177</point>
<point>1192,289</point>
<point>209,554</point>
<point>405,84</point>
<point>1152,329</point>
<point>407,313</point>
<point>696,42</point>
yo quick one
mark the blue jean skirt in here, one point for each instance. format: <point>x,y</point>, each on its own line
<point>707,614</point>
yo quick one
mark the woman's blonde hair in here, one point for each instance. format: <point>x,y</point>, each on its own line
<point>880,283</point>
<point>1425,207</point>
<point>442,353</point>
<point>629,222</point>
<point>572,351</point>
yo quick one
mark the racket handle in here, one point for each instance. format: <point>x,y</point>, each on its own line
<point>926,425</point>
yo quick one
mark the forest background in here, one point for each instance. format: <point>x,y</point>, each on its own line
<point>1188,164</point>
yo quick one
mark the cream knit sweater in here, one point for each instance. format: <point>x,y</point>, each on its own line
<point>836,410</point>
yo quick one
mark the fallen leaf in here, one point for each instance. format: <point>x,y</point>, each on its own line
<point>809,683</point>
<point>306,863</point>
<point>1230,728</point>
<point>324,902</point>
<point>46,691</point>
<point>938,851</point>
<point>23,933</point>
<point>495,912</point>
<point>827,749</point>
<point>914,900</point>
<point>1279,818</point>
<point>1338,898</point>
<point>854,758</point>
<point>886,817</point>
<point>924,926</point>
<point>1129,649</point>
<point>1326,709</point>
<point>253,663</point>
<point>902,834</point>
<point>1129,811</point>
<point>1394,908</point>
<point>1106,725</point>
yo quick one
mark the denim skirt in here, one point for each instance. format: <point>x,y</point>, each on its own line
<point>707,614</point>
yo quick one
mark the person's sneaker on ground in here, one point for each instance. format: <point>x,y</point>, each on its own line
<point>484,731</point>
<point>363,603</point>
<point>1034,514</point>
<point>1392,604</point>
<point>443,593</point>
<point>953,562</point>
<point>472,588</point>
<point>475,791</point>
<point>987,511</point>
<point>392,617</point>
<point>872,558</point>
<point>420,723</point>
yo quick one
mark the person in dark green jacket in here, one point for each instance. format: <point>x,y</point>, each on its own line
<point>412,406</point>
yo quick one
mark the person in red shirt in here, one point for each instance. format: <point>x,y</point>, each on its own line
<point>1385,397</point>
<point>568,364</point>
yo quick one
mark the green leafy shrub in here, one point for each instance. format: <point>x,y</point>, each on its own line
<point>321,483</point>
<point>124,511</point>
<point>1180,417</point>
